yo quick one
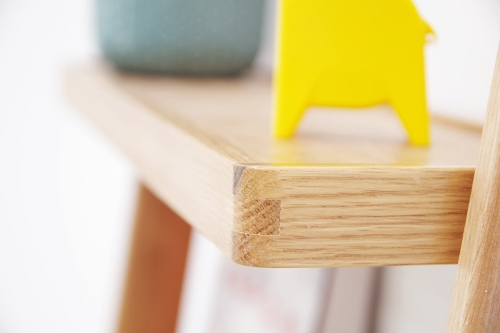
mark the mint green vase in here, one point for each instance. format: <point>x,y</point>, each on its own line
<point>188,37</point>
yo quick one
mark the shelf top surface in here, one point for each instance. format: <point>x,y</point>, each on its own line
<point>347,190</point>
<point>234,114</point>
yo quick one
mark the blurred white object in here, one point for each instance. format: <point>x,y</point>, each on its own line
<point>65,193</point>
<point>460,63</point>
<point>278,300</point>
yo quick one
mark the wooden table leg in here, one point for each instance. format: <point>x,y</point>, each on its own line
<point>156,268</point>
<point>475,305</point>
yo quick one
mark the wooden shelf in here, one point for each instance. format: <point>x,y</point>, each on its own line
<point>347,191</point>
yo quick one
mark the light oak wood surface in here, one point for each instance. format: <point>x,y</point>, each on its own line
<point>348,190</point>
<point>476,299</point>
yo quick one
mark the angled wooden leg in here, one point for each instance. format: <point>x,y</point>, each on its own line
<point>156,268</point>
<point>476,299</point>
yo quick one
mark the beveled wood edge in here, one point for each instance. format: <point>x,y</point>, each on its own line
<point>457,122</point>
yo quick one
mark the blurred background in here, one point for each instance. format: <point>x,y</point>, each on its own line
<point>67,196</point>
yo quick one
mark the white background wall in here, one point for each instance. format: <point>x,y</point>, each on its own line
<point>66,195</point>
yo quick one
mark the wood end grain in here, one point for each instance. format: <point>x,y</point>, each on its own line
<point>257,217</point>
<point>251,250</point>
<point>254,214</point>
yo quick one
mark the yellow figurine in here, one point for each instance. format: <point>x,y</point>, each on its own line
<point>351,53</point>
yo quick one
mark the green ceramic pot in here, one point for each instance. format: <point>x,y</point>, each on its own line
<point>189,37</point>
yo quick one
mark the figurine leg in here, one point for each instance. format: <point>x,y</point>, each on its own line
<point>409,100</point>
<point>290,104</point>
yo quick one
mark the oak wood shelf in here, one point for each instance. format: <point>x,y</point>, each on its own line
<point>348,190</point>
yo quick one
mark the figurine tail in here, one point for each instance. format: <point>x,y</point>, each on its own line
<point>430,34</point>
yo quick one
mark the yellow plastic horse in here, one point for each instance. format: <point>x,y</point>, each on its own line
<point>351,53</point>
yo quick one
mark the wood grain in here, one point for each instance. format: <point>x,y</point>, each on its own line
<point>476,299</point>
<point>348,190</point>
<point>156,268</point>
